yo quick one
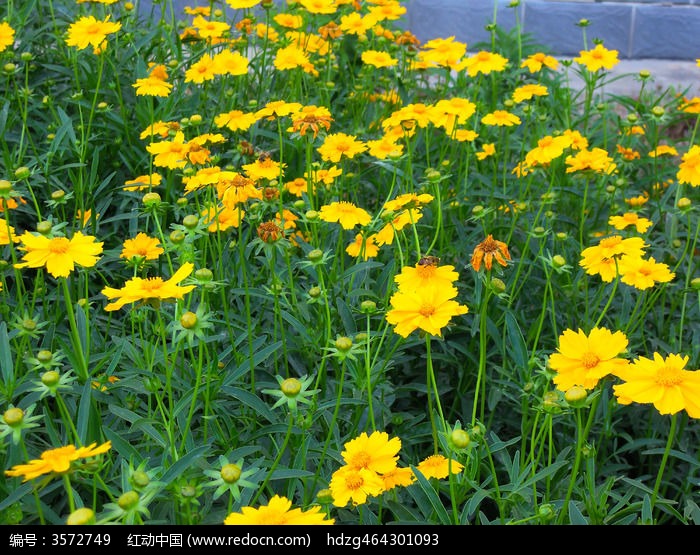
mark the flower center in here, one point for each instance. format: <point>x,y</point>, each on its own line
<point>590,360</point>
<point>59,245</point>
<point>489,245</point>
<point>152,284</point>
<point>354,481</point>
<point>426,272</point>
<point>669,376</point>
<point>360,460</point>
<point>610,242</point>
<point>427,310</point>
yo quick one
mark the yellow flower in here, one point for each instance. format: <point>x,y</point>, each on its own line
<point>429,309</point>
<point>353,484</point>
<point>228,62</point>
<point>385,236</point>
<point>584,359</point>
<point>356,24</point>
<point>90,31</point>
<point>526,92</point>
<point>438,466</point>
<point>376,452</point>
<point>337,145</point>
<point>597,58</point>
<point>442,51</point>
<point>663,149</point>
<point>149,289</point>
<point>209,29</point>
<point>537,61</point>
<point>489,250</point>
<point>221,218</point>
<point>548,148</point>
<point>368,247</point>
<point>236,190</point>
<point>643,273</point>
<point>487,150</point>
<point>689,169</point>
<point>377,58</point>
<point>319,6</point>
<point>278,511</point>
<point>596,160</point>
<point>662,382</point>
<point>7,36</point>
<point>291,57</point>
<point>288,20</point>
<point>426,273</point>
<point>278,108</point>
<point>170,154</point>
<point>388,10</point>
<point>7,233</point>
<point>202,70</point>
<point>399,476</point>
<point>266,168</point>
<point>59,254</point>
<point>408,200</point>
<point>57,461</point>
<point>601,259</point>
<point>155,84</point>
<point>345,213</point>
<point>501,118</point>
<point>630,218</point>
<point>143,182</point>
<point>141,247</point>
<point>485,62</point>
<point>242,4</point>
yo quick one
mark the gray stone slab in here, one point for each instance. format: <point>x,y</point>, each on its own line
<point>554,25</point>
<point>671,32</point>
<point>464,19</point>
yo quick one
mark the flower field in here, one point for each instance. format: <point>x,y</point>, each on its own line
<point>285,263</point>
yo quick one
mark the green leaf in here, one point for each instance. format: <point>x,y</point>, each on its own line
<point>183,464</point>
<point>84,408</point>
<point>431,497</point>
<point>575,515</point>
<point>6,365</point>
<point>252,401</point>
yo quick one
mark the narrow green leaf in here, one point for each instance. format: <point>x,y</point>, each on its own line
<point>6,365</point>
<point>183,464</point>
<point>575,515</point>
<point>432,497</point>
<point>82,425</point>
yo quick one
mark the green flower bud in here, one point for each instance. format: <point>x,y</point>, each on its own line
<point>140,479</point>
<point>291,387</point>
<point>343,344</point>
<point>128,500</point>
<point>459,438</point>
<point>230,473</point>
<point>188,320</point>
<point>13,416</point>
<point>81,516</point>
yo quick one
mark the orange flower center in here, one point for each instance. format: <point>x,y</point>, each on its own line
<point>354,481</point>
<point>360,460</point>
<point>669,376</point>
<point>427,310</point>
<point>59,245</point>
<point>610,242</point>
<point>426,272</point>
<point>590,360</point>
<point>152,284</point>
<point>488,246</point>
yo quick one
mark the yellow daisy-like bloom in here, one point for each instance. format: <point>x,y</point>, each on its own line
<point>57,461</point>
<point>243,4</point>
<point>537,61</point>
<point>237,190</point>
<point>202,70</point>
<point>689,169</point>
<point>548,148</point>
<point>356,485</point>
<point>236,120</point>
<point>337,145</point>
<point>663,149</point>
<point>438,466</point>
<point>387,10</point>
<point>326,176</point>
<point>690,105</point>
<point>501,118</point>
<point>277,109</point>
<point>385,236</point>
<point>290,21</point>
<point>319,6</point>
<point>278,511</point>
<point>143,182</point>
<point>628,219</point>
<point>89,31</point>
<point>485,62</point>
<point>7,36</point>
<point>597,58</point>
<point>489,250</point>
<point>170,154</point>
<point>596,160</point>
<point>141,247</point>
<point>59,254</point>
<point>643,273</point>
<point>487,150</point>
<point>155,84</point>
<point>291,57</point>
<point>399,476</point>
<point>377,58</point>
<point>149,289</point>
<point>209,29</point>
<point>367,247</point>
<point>345,213</point>
<point>601,259</point>
<point>442,51</point>
<point>426,273</point>
<point>376,452</point>
<point>526,92</point>
<point>584,359</point>
<point>228,62</point>
<point>7,234</point>
<point>408,200</point>
<point>266,168</point>
<point>384,148</point>
<point>663,382</point>
<point>221,218</point>
<point>429,309</point>
<point>356,24</point>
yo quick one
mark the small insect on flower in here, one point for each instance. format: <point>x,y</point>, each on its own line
<point>429,261</point>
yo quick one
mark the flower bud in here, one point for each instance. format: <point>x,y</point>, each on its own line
<point>50,378</point>
<point>128,500</point>
<point>459,438</point>
<point>151,199</point>
<point>81,516</point>
<point>204,274</point>
<point>558,261</point>
<point>190,221</point>
<point>188,320</point>
<point>576,395</point>
<point>23,172</point>
<point>368,307</point>
<point>343,344</point>
<point>140,479</point>
<point>315,255</point>
<point>291,387</point>
<point>13,416</point>
<point>44,227</point>
<point>230,473</point>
